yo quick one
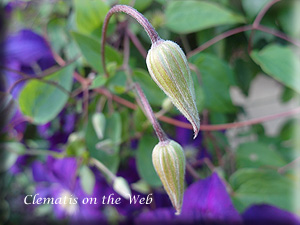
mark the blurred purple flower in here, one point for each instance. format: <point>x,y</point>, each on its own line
<point>205,202</point>
<point>267,214</point>
<point>58,178</point>
<point>22,52</point>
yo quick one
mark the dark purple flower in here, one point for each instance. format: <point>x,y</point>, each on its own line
<point>58,178</point>
<point>204,202</point>
<point>22,52</point>
<point>267,214</point>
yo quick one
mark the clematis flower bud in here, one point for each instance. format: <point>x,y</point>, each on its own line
<point>169,162</point>
<point>168,67</point>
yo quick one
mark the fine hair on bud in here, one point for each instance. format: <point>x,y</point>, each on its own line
<point>169,162</point>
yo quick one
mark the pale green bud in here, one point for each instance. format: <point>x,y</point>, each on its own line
<point>169,162</point>
<point>168,67</point>
<point>121,186</point>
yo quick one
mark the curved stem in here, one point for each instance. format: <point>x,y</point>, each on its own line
<point>219,38</point>
<point>137,16</point>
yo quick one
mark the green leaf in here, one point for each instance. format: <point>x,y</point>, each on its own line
<point>253,7</point>
<point>41,101</point>
<point>153,93</point>
<point>216,77</point>
<point>190,16</point>
<point>255,154</point>
<point>90,49</point>
<point>245,71</point>
<point>288,130</point>
<point>289,16</point>
<point>56,30</point>
<point>141,5</point>
<point>144,161</point>
<point>112,134</point>
<point>87,179</point>
<point>99,81</point>
<point>117,82</point>
<point>89,15</point>
<point>254,186</point>
<point>281,63</point>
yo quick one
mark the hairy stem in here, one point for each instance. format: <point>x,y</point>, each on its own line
<point>137,16</point>
<point>149,113</point>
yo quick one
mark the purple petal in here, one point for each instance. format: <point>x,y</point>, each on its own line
<point>205,202</point>
<point>267,214</point>
<point>64,170</point>
<point>208,200</point>
<point>26,47</point>
<point>39,172</point>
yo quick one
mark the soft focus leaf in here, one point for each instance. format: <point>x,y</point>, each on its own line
<point>289,17</point>
<point>255,186</point>
<point>288,130</point>
<point>144,161</point>
<point>90,49</point>
<point>87,179</point>
<point>141,5</point>
<point>90,15</point>
<point>108,156</point>
<point>216,77</point>
<point>281,63</point>
<point>190,16</point>
<point>99,81</point>
<point>121,186</point>
<point>255,154</point>
<point>98,120</point>
<point>41,101</point>
<point>153,93</point>
<point>253,7</point>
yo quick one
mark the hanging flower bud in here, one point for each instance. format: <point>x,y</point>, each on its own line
<point>169,68</point>
<point>169,162</point>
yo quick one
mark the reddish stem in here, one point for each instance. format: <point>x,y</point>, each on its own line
<point>149,112</point>
<point>179,123</point>
<point>137,16</point>
<point>219,38</point>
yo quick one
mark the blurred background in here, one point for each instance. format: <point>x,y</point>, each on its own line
<point>70,133</point>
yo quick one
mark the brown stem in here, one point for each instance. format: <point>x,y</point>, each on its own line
<point>148,111</point>
<point>137,43</point>
<point>137,16</point>
<point>51,82</point>
<point>179,123</point>
<point>278,34</point>
<point>219,38</point>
